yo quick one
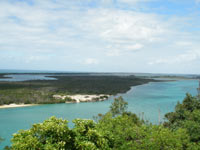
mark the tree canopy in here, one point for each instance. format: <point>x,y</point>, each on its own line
<point>186,116</point>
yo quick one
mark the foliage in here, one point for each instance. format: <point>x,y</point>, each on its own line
<point>51,134</point>
<point>125,133</point>
<point>119,133</point>
<point>87,137</point>
<point>118,107</point>
<point>69,99</point>
<point>54,134</point>
<point>187,116</point>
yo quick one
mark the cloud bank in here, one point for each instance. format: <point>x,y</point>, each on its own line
<point>104,35</point>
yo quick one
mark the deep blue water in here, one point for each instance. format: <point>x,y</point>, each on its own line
<point>147,99</point>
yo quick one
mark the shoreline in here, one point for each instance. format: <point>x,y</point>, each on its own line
<point>76,98</point>
<point>73,99</point>
<point>16,105</point>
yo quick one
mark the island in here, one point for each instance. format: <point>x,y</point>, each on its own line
<point>66,88</point>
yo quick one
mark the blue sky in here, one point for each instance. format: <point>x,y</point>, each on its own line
<point>155,36</point>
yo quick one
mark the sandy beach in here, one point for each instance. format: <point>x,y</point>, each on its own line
<point>16,105</point>
<point>82,98</point>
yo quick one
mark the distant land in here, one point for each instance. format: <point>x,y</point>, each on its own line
<point>19,71</point>
<point>41,90</point>
<point>39,87</point>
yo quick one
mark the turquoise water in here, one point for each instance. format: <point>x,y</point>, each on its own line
<point>148,98</point>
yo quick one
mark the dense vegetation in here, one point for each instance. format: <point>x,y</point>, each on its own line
<point>41,91</point>
<point>118,130</point>
<point>186,116</point>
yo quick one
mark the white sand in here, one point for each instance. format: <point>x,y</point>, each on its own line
<point>84,98</point>
<point>81,98</point>
<point>16,105</point>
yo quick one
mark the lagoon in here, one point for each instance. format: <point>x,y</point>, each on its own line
<point>149,99</point>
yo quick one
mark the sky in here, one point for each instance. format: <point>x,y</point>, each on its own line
<point>141,36</point>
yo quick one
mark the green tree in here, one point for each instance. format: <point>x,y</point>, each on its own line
<point>187,116</point>
<point>52,134</point>
<point>87,137</point>
<point>124,133</point>
<point>119,106</point>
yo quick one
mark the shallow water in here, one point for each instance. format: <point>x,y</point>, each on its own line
<point>147,99</point>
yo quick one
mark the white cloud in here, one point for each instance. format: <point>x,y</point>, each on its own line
<point>113,52</point>
<point>124,31</point>
<point>90,61</point>
<point>59,28</point>
<point>44,28</point>
<point>117,50</point>
<point>32,59</point>
<point>189,56</point>
<point>133,1</point>
<point>183,43</point>
<point>197,1</point>
<point>134,47</point>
